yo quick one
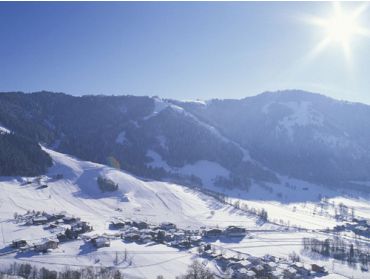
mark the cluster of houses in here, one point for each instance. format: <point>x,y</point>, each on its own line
<point>66,228</point>
<point>244,266</point>
<point>42,245</point>
<point>358,226</point>
<point>168,233</point>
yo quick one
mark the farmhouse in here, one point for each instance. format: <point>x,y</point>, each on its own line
<point>118,223</point>
<point>318,269</point>
<point>234,231</point>
<point>81,227</point>
<point>214,232</point>
<point>19,243</point>
<point>41,220</point>
<point>140,224</point>
<point>290,272</point>
<point>167,226</point>
<point>70,220</point>
<point>243,273</point>
<point>46,244</point>
<point>100,241</point>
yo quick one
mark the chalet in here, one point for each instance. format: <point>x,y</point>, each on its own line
<point>216,254</point>
<point>57,216</point>
<point>179,236</point>
<point>41,220</point>
<point>19,243</point>
<point>70,220</point>
<point>46,244</point>
<point>250,275</point>
<point>100,242</point>
<point>239,264</point>
<point>81,227</point>
<point>132,236</point>
<point>53,225</point>
<point>269,258</point>
<point>59,221</point>
<point>118,223</point>
<point>234,231</point>
<point>277,274</point>
<point>318,269</point>
<point>195,240</point>
<point>167,226</point>
<point>259,270</point>
<point>145,238</point>
<point>254,260</point>
<point>140,224</point>
<point>150,232</point>
<point>268,268</point>
<point>243,273</point>
<point>290,272</point>
<point>62,237</point>
<point>214,232</point>
<point>299,267</point>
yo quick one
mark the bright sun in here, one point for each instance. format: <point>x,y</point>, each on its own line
<point>341,27</point>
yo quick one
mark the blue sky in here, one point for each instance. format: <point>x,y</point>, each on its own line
<point>176,50</point>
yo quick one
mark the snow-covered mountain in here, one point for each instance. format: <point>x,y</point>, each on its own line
<point>149,137</point>
<point>257,164</point>
<point>299,134</point>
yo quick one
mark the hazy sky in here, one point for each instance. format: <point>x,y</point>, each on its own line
<point>177,50</point>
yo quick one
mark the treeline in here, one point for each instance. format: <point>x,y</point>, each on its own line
<point>28,271</point>
<point>338,249</point>
<point>20,156</point>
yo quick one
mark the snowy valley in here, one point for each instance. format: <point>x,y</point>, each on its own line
<point>157,192</point>
<point>70,187</point>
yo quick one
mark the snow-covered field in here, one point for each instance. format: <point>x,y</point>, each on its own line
<point>292,202</point>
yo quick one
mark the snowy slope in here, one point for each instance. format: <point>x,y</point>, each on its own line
<point>78,194</point>
<point>154,202</point>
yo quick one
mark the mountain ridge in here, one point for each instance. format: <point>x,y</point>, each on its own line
<point>295,133</point>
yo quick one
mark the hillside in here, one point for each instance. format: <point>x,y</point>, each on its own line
<point>299,134</point>
<point>135,134</point>
<point>20,156</point>
<point>70,185</point>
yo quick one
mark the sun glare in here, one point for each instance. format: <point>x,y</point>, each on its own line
<point>341,27</point>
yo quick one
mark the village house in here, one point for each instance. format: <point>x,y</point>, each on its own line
<point>140,224</point>
<point>81,227</point>
<point>101,241</point>
<point>211,233</point>
<point>62,237</point>
<point>318,269</point>
<point>46,244</point>
<point>40,220</point>
<point>260,271</point>
<point>234,231</point>
<point>118,223</point>
<point>290,272</point>
<point>243,273</point>
<point>70,220</point>
<point>131,237</point>
<point>235,265</point>
<point>277,274</point>
<point>299,267</point>
<point>19,243</point>
<point>145,238</point>
<point>167,226</point>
